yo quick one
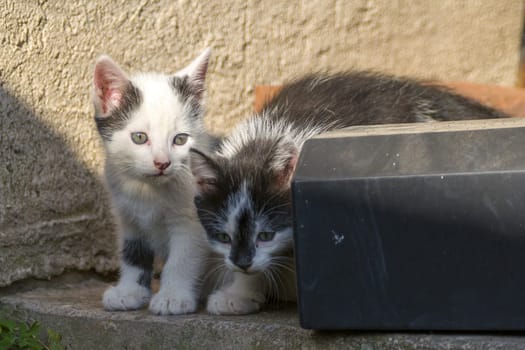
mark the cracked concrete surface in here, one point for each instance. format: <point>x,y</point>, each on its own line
<point>74,310</point>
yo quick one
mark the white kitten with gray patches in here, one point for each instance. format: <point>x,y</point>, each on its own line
<point>148,123</point>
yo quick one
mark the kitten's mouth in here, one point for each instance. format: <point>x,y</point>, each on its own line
<point>156,175</point>
<point>246,272</point>
<point>250,272</point>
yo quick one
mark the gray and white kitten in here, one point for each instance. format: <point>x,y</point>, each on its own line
<point>245,200</point>
<point>148,123</point>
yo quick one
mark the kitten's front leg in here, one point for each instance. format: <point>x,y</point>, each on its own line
<point>133,290</point>
<point>180,276</point>
<point>244,296</point>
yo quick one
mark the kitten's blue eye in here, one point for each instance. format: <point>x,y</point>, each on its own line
<point>223,238</point>
<point>139,137</point>
<point>180,139</point>
<point>265,236</point>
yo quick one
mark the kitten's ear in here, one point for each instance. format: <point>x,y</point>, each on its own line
<point>109,84</point>
<point>196,72</point>
<point>283,163</point>
<point>205,170</point>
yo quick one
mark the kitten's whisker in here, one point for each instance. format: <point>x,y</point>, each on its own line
<point>275,281</point>
<point>265,211</point>
<point>209,212</point>
<point>270,292</point>
<point>275,277</point>
<point>214,259</point>
<point>224,275</point>
<point>268,200</point>
<point>212,271</point>
<point>284,266</point>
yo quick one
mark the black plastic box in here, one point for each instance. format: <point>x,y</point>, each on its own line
<point>412,227</point>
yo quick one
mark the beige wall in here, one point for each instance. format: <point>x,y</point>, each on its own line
<point>53,209</point>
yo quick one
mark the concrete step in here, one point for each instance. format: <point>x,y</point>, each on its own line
<point>73,309</point>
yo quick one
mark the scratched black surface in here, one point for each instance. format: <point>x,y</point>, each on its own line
<point>435,241</point>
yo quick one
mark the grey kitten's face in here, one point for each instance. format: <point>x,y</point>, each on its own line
<point>246,211</point>
<point>148,122</point>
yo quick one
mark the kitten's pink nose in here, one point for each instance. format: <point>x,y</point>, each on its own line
<point>161,165</point>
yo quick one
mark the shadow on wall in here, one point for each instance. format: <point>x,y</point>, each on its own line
<point>53,211</point>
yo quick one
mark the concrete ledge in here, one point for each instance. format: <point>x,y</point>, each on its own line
<point>74,310</point>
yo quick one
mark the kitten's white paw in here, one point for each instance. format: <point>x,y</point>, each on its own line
<point>120,298</point>
<point>169,302</point>
<point>224,303</point>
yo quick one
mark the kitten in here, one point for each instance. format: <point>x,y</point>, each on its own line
<point>148,123</point>
<point>245,200</point>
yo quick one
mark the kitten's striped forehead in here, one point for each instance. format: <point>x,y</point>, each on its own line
<point>239,208</point>
<point>163,105</point>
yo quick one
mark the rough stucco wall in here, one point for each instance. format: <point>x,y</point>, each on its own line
<point>53,208</point>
